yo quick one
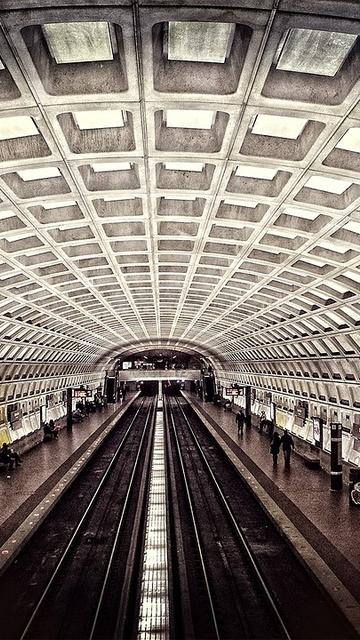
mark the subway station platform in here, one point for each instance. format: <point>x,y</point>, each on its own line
<point>324,519</point>
<point>46,465</point>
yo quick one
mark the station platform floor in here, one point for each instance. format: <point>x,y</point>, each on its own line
<point>46,464</point>
<point>324,518</point>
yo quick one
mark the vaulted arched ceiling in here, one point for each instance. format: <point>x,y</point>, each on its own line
<point>182,173</point>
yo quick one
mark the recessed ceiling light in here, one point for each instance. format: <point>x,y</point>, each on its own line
<point>38,174</point>
<point>58,205</point>
<point>352,275</point>
<point>300,213</point>
<point>17,127</point>
<point>318,52</point>
<point>73,42</point>
<point>99,119</point>
<point>190,118</point>
<point>100,167</point>
<point>117,198</point>
<point>350,141</point>
<point>180,198</point>
<point>6,214</point>
<point>261,173</point>
<point>200,41</point>
<point>331,185</point>
<point>352,226</point>
<point>184,166</point>
<point>333,246</point>
<point>278,126</point>
<point>249,204</point>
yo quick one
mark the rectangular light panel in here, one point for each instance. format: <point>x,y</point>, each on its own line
<point>318,52</point>
<point>74,42</point>
<point>301,213</point>
<point>39,174</point>
<point>105,119</point>
<point>350,141</point>
<point>58,205</point>
<point>190,118</point>
<point>278,126</point>
<point>200,41</point>
<point>261,173</point>
<point>100,167</point>
<point>17,127</point>
<point>331,185</point>
<point>249,204</point>
<point>184,166</point>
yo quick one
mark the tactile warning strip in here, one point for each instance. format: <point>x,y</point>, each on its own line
<point>154,601</point>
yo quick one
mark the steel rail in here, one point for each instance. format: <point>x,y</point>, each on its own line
<point>250,555</point>
<point>194,523</point>
<point>150,414</point>
<point>79,526</point>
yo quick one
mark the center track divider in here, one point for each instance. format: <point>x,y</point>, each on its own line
<point>239,533</point>
<point>90,508</point>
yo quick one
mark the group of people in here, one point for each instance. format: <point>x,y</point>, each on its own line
<point>9,457</point>
<point>285,441</point>
<point>50,431</point>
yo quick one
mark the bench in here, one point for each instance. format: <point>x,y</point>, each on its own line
<point>310,460</point>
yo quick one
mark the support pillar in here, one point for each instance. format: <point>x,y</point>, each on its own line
<point>248,406</point>
<point>336,473</point>
<point>69,420</point>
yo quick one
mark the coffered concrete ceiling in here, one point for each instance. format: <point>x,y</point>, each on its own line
<point>179,173</point>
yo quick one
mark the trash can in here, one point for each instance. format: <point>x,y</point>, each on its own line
<point>354,487</point>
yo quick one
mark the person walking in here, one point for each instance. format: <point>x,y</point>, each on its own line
<point>275,447</point>
<point>240,420</point>
<point>287,444</point>
<point>262,421</point>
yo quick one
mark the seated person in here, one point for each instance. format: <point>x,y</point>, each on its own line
<point>9,456</point>
<point>50,431</point>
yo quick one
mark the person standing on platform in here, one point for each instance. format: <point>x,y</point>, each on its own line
<point>240,420</point>
<point>275,447</point>
<point>287,443</point>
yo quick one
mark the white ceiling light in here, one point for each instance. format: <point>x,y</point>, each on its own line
<point>6,214</point>
<point>249,204</point>
<point>17,127</point>
<point>333,246</point>
<point>78,41</point>
<point>184,166</point>
<point>99,119</point>
<point>300,213</point>
<point>117,198</point>
<point>180,198</point>
<point>318,52</point>
<point>190,118</point>
<point>350,141</point>
<point>200,41</point>
<point>278,126</point>
<point>39,174</point>
<point>2,66</point>
<point>100,167</point>
<point>352,226</point>
<point>261,173</point>
<point>331,185</point>
<point>58,205</point>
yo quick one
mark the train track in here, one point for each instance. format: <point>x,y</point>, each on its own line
<point>81,595</point>
<point>236,576</point>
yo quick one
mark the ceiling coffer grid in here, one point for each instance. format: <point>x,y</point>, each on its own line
<point>196,177</point>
